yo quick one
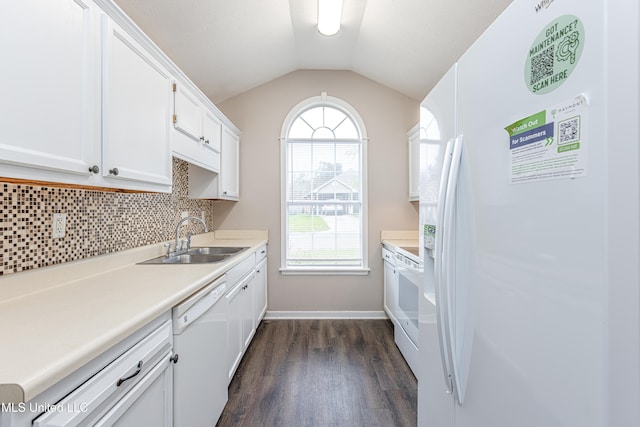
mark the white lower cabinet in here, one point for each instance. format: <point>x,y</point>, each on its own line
<point>248,312</point>
<point>240,329</point>
<point>390,285</point>
<point>130,384</point>
<point>260,292</point>
<point>247,305</point>
<point>234,329</point>
<point>146,404</point>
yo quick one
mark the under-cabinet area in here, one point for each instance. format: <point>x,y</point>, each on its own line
<point>130,343</point>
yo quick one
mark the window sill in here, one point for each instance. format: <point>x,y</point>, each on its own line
<point>350,271</point>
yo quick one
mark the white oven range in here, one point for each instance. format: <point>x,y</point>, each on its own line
<point>410,274</point>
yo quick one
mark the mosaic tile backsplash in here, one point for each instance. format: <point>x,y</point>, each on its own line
<point>97,222</point>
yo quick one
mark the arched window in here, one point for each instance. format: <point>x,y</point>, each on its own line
<point>323,188</point>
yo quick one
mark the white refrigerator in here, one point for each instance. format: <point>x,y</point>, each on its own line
<point>529,307</point>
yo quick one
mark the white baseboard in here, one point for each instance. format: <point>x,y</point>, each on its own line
<point>325,315</point>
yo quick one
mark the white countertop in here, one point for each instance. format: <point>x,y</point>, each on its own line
<point>56,319</point>
<point>395,239</point>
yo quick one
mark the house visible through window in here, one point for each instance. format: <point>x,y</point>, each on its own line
<point>324,191</point>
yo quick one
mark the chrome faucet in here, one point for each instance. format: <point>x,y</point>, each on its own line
<point>179,248</point>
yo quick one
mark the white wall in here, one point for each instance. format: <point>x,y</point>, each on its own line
<point>259,113</point>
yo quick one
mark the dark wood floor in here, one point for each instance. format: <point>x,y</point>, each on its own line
<point>320,373</point>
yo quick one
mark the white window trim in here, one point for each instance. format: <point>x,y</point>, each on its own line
<point>329,101</point>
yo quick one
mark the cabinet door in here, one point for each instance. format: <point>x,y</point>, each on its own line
<point>234,329</point>
<point>248,311</point>
<point>229,168</point>
<point>136,112</point>
<point>414,163</point>
<point>390,291</point>
<point>187,112</point>
<point>50,90</point>
<point>260,292</point>
<point>148,403</point>
<point>212,129</point>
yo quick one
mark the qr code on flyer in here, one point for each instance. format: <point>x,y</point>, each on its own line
<point>569,130</point>
<point>542,65</point>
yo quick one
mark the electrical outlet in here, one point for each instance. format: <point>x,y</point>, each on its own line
<point>59,225</point>
<point>203,215</point>
<point>184,214</point>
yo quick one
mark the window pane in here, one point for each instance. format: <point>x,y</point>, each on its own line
<point>314,117</point>
<point>300,157</point>
<point>346,130</point>
<point>299,187</point>
<point>325,237</point>
<point>333,117</point>
<point>323,133</point>
<point>349,155</point>
<point>300,129</point>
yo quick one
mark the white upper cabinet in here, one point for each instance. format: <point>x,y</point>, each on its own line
<point>230,168</point>
<point>88,99</point>
<point>82,99</point>
<point>196,138</point>
<point>212,130</point>
<point>49,103</point>
<point>187,116</point>
<point>136,111</point>
<point>413,137</point>
<point>203,184</point>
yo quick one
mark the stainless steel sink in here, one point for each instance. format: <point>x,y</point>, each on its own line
<point>216,250</point>
<point>187,259</point>
<point>205,255</point>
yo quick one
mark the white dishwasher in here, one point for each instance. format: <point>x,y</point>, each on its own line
<point>200,373</point>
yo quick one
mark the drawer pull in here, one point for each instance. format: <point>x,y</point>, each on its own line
<point>122,380</point>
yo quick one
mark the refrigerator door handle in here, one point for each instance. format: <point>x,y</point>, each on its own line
<point>448,265</point>
<point>440,285</point>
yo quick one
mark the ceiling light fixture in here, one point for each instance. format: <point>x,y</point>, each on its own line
<point>329,16</point>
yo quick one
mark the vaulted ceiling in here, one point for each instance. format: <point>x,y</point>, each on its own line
<point>227,47</point>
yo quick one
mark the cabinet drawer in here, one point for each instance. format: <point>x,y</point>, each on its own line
<point>261,253</point>
<point>100,392</point>
<point>388,256</point>
<point>239,271</point>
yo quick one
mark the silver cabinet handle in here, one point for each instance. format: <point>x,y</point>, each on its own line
<point>94,169</point>
<point>114,171</point>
